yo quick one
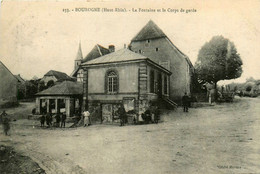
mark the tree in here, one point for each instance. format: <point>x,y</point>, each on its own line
<point>218,60</point>
<point>50,83</point>
<point>41,86</point>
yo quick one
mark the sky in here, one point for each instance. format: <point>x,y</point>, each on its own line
<point>36,37</point>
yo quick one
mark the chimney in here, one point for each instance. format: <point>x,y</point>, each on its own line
<point>130,47</point>
<point>111,48</point>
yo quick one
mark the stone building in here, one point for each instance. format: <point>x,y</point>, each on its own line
<point>122,77</point>
<point>153,43</point>
<point>8,87</point>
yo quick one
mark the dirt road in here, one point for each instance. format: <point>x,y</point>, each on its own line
<point>219,139</point>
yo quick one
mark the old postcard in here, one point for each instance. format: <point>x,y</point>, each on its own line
<point>129,87</point>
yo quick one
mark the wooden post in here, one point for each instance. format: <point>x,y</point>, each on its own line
<point>67,107</point>
<point>85,90</point>
<point>38,105</point>
<point>56,106</point>
<point>48,105</point>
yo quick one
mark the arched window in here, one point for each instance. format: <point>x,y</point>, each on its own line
<point>112,82</point>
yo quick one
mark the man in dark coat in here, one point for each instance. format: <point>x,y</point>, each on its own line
<point>48,119</point>
<point>122,115</point>
<point>5,121</point>
<point>42,120</point>
<point>2,116</point>
<point>147,116</point>
<point>57,117</point>
<point>156,114</point>
<point>63,119</point>
<point>185,102</point>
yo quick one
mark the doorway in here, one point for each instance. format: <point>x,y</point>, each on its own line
<point>159,85</point>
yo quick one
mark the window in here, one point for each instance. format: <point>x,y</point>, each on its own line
<point>156,49</point>
<point>152,81</point>
<point>165,85</point>
<point>148,41</point>
<point>112,82</point>
<point>140,51</point>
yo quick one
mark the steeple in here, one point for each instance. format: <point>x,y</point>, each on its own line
<point>79,54</point>
<point>79,57</point>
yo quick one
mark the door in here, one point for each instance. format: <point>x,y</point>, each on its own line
<point>109,113</point>
<point>159,85</point>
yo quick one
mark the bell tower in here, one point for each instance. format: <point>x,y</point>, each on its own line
<point>79,57</point>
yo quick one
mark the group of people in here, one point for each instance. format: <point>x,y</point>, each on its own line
<point>48,118</point>
<point>152,115</point>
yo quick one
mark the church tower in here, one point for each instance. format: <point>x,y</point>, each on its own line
<point>79,57</point>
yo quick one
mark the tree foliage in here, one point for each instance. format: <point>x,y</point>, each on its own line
<point>41,86</point>
<point>50,83</point>
<point>218,60</point>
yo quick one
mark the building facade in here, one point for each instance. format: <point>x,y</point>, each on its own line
<point>8,86</point>
<point>153,43</point>
<point>122,77</point>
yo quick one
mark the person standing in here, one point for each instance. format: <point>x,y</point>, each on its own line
<point>156,114</point>
<point>48,117</point>
<point>147,116</point>
<point>2,116</point>
<point>42,120</point>
<point>5,120</point>
<point>51,119</point>
<point>57,117</point>
<point>185,102</point>
<point>63,119</point>
<point>122,115</point>
<point>86,115</point>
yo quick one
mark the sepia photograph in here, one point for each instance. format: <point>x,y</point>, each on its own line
<point>129,87</point>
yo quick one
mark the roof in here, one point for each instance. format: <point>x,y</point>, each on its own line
<point>122,55</point>
<point>117,56</point>
<point>19,78</point>
<point>97,51</point>
<point>149,31</point>
<point>59,75</point>
<point>64,88</point>
<point>1,63</point>
<point>79,54</point>
<point>152,31</point>
<point>73,74</point>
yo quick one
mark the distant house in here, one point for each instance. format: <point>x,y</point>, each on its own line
<point>123,77</point>
<point>153,43</point>
<point>55,76</point>
<point>96,52</point>
<point>8,86</point>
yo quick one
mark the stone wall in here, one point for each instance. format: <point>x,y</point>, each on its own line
<point>161,51</point>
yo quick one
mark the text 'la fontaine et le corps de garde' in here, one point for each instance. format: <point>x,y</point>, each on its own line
<point>134,10</point>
